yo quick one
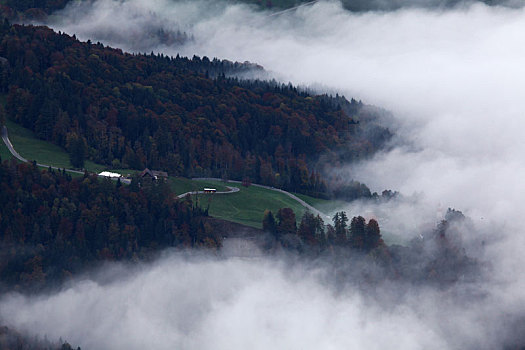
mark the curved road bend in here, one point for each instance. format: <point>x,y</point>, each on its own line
<point>15,154</point>
<point>230,188</point>
<point>303,203</point>
<point>9,145</point>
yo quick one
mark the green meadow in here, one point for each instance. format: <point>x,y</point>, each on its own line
<point>245,207</point>
<point>31,148</point>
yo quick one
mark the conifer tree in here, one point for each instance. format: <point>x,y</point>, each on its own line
<point>357,232</point>
<point>340,223</point>
<point>268,222</point>
<point>373,235</point>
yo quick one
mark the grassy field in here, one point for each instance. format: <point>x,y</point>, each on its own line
<point>4,152</point>
<point>245,207</point>
<point>31,148</point>
<point>323,205</point>
<point>248,205</point>
<point>181,185</point>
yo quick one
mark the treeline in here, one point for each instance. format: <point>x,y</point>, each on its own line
<point>177,114</point>
<point>30,9</point>
<point>436,256</point>
<point>52,225</point>
<point>11,340</point>
<point>313,235</point>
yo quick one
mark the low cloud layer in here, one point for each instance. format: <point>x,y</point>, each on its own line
<point>207,303</point>
<point>454,79</point>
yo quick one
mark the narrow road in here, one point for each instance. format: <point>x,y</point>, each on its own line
<point>10,145</point>
<point>5,138</point>
<point>230,190</point>
<point>303,203</point>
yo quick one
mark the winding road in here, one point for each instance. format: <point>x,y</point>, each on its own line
<point>230,190</point>
<point>303,203</point>
<point>5,138</point>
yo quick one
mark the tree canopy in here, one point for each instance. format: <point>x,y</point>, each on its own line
<point>181,115</point>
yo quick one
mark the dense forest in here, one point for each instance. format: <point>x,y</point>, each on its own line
<point>11,339</point>
<point>181,115</point>
<point>30,9</point>
<point>314,236</point>
<point>436,256</point>
<point>52,225</point>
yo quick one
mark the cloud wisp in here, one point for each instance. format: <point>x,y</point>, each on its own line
<point>234,303</point>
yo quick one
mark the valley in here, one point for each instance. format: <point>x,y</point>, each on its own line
<point>325,174</point>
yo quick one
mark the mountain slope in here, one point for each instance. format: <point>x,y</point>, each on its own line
<point>169,113</point>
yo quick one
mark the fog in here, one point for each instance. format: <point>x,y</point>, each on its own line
<point>455,80</point>
<point>203,303</point>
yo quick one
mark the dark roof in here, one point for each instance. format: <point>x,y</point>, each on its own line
<point>160,173</point>
<point>153,173</point>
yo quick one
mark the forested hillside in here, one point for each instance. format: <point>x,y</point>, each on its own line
<point>30,9</point>
<point>172,113</point>
<point>11,339</point>
<point>52,226</point>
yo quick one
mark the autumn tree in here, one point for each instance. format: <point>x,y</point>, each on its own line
<point>70,222</point>
<point>167,113</point>
<point>286,222</point>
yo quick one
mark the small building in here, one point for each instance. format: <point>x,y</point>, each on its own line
<point>154,174</point>
<point>110,174</point>
<point>210,190</point>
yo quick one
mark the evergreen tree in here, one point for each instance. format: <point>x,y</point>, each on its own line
<point>330,235</point>
<point>268,222</point>
<point>319,233</point>
<point>373,235</point>
<point>307,228</point>
<point>77,150</point>
<point>357,232</point>
<point>340,223</point>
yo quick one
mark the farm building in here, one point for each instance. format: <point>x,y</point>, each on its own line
<point>154,174</point>
<point>109,174</point>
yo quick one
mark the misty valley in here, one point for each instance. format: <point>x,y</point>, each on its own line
<point>280,174</point>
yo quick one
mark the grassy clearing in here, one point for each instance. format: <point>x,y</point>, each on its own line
<point>248,205</point>
<point>31,148</point>
<point>323,205</point>
<point>245,207</point>
<point>181,185</point>
<point>4,152</point>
